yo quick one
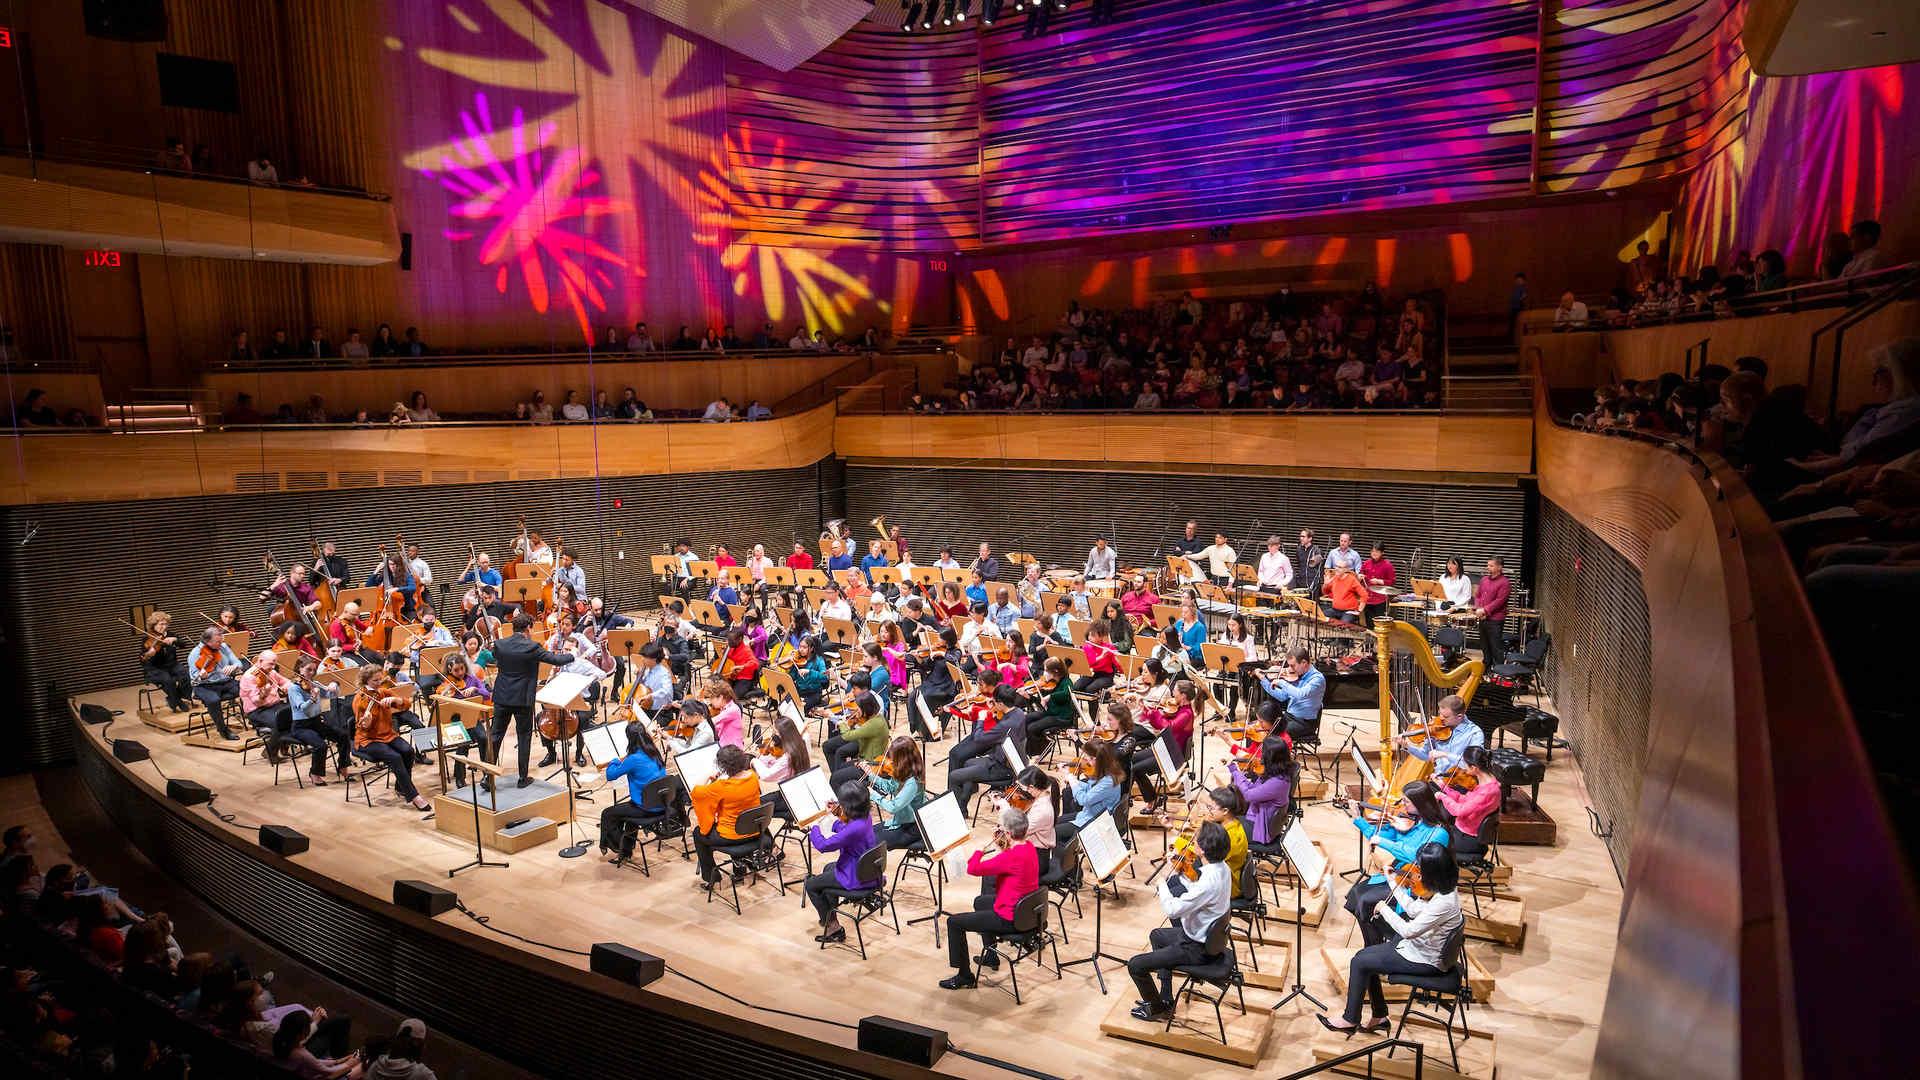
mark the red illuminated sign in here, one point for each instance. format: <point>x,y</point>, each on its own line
<point>102,259</point>
<point>936,264</point>
<point>6,37</point>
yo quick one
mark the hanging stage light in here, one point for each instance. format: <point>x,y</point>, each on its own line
<point>913,16</point>
<point>946,17</point>
<point>960,10</point>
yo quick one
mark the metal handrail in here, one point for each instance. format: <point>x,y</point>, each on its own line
<point>521,356</point>
<point>1855,314</point>
<point>1825,292</point>
<point>1389,1045</point>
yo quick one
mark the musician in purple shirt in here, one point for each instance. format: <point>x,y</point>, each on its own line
<point>852,837</point>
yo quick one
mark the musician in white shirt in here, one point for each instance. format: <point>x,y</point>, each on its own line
<point>836,606</point>
<point>946,560</point>
<point>978,628</point>
<point>422,573</point>
<point>757,565</point>
<point>1457,584</point>
<point>1419,943</point>
<point>1193,907</point>
<point>1100,561</point>
<point>1276,570</point>
<point>1220,559</point>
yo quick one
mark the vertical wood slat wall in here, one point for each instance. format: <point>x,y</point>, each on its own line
<point>1592,600</point>
<point>89,564</point>
<point>1056,514</point>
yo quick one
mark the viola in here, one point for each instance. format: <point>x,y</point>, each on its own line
<point>209,663</point>
<point>1083,768</point>
<point>1184,855</point>
<point>683,725</point>
<point>1020,797</point>
<point>1408,877</point>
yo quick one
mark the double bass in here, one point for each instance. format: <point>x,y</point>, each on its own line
<point>393,605</point>
<point>323,590</point>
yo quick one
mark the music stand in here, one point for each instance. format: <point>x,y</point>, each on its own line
<point>1075,660</point>
<point>704,614</point>
<point>1223,662</point>
<point>704,569</point>
<point>517,591</point>
<point>810,577</point>
<point>1106,842</point>
<point>778,575</point>
<point>493,772</point>
<point>464,709</point>
<point>887,575</point>
<point>739,577</point>
<point>947,817</point>
<point>1300,854</point>
<point>925,576</point>
<point>840,632</point>
<point>566,691</point>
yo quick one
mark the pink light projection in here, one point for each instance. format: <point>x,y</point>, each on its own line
<point>532,212</point>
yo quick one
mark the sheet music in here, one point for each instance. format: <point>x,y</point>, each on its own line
<point>956,862</point>
<point>941,823</point>
<point>1308,863</point>
<point>792,712</point>
<point>808,795</point>
<point>1164,758</point>
<point>1106,852</point>
<point>563,689</point>
<point>606,744</point>
<point>926,714</point>
<point>699,766</point>
<point>1367,775</point>
<point>1012,754</point>
<point>454,735</point>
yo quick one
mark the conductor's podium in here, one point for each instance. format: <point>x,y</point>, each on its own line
<point>510,818</point>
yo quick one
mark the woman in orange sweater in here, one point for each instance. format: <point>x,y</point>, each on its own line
<point>717,806</point>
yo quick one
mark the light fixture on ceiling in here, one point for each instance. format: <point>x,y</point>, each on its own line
<point>913,16</point>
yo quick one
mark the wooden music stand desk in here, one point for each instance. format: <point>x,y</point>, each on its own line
<point>1075,660</point>
<point>521,589</point>
<point>779,575</point>
<point>368,598</point>
<point>810,577</point>
<point>666,566</point>
<point>926,576</point>
<point>705,569</point>
<point>627,642</point>
<point>739,576</point>
<point>841,632</point>
<point>703,613</point>
<point>886,575</point>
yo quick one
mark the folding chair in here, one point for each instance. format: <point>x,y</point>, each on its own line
<point>1447,991</point>
<point>867,902</point>
<point>754,855</point>
<point>1029,937</point>
<point>1221,970</point>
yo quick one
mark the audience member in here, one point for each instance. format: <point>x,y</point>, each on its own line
<point>261,171</point>
<point>1865,240</point>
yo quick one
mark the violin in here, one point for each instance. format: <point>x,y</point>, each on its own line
<point>770,746</point>
<point>1408,877</point>
<point>882,769</point>
<point>373,717</point>
<point>1183,855</point>
<point>1020,797</point>
<point>1083,768</point>
<point>209,663</point>
<point>1462,780</point>
<point>683,726</point>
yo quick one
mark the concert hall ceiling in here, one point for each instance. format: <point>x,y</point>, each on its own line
<point>589,160</point>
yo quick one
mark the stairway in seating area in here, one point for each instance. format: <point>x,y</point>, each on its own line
<point>1483,375</point>
<point>147,417</point>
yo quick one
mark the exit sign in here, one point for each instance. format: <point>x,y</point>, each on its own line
<point>101,259</point>
<point>936,264</point>
<point>6,37</point>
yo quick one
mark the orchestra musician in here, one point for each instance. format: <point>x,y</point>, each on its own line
<point>296,637</point>
<point>1049,702</point>
<point>946,561</point>
<point>567,572</point>
<point>1097,781</point>
<point>1003,613</point>
<point>1309,563</point>
<point>1377,574</point>
<point>723,708</point>
<point>676,637</point>
<point>1193,907</point>
<point>952,604</point>
<point>1470,808</point>
<point>1152,687</point>
<point>228,620</point>
<point>1490,603</point>
<point>1138,600</point>
<point>462,681</point>
<point>1038,796</point>
<point>1268,795</point>
<point>936,690</point>
<point>1027,592</point>
<point>1345,593</point>
<point>838,558</point>
<point>431,635</point>
<point>641,765</point>
<point>986,764</point>
<point>331,565</point>
<point>694,715</point>
<point>345,630</point>
<point>263,697</point>
<point>783,755</point>
<point>1418,945</point>
<point>836,606</point>
<point>1300,687</point>
<point>899,792</point>
<point>479,572</point>
<point>809,672</point>
<point>375,738</point>
<point>977,635</point>
<point>1449,737</point>
<point>474,650</point>
<point>985,564</point>
<point>1101,561</point>
<point>295,586</point>
<point>683,582</point>
<point>739,667</point>
<point>1240,636</point>
<point>313,702</point>
<point>1015,865</point>
<point>518,658</point>
<point>849,837</point>
<point>800,559</point>
<point>1392,842</point>
<point>417,565</point>
<point>1190,543</point>
<point>1223,806</point>
<point>861,737</point>
<point>1193,632</point>
<point>162,662</point>
<point>1102,657</point>
<point>1174,722</point>
<point>1119,629</point>
<point>214,672</point>
<point>976,590</point>
<point>717,806</point>
<point>1343,556</point>
<point>1456,585</point>
<point>1275,571</point>
<point>758,564</point>
<point>394,575</point>
<point>531,547</point>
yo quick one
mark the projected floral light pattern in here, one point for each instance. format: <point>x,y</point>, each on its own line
<point>531,211</point>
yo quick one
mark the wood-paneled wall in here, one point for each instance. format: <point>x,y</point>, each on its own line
<point>1730,786</point>
<point>1383,444</point>
<point>490,390</point>
<point>111,468</point>
<point>1587,359</point>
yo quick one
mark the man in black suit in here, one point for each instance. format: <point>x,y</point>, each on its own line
<point>518,658</point>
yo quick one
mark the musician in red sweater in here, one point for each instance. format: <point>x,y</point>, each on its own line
<point>1490,603</point>
<point>799,560</point>
<point>1016,865</point>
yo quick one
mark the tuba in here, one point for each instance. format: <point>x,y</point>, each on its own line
<point>880,525</point>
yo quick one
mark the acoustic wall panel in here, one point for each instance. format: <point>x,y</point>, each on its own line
<point>1056,514</point>
<point>92,563</point>
<point>1592,601</point>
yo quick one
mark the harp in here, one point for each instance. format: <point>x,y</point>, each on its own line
<point>1411,686</point>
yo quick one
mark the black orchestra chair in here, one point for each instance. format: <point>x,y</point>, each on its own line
<point>1447,991</point>
<point>754,855</point>
<point>1476,856</point>
<point>282,751</point>
<point>867,902</point>
<point>1520,670</point>
<point>1062,883</point>
<point>1250,907</point>
<point>1029,937</point>
<point>367,772</point>
<point>662,791</point>
<point>1220,969</point>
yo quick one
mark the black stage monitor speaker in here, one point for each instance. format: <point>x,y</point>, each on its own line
<point>425,898</point>
<point>282,839</point>
<point>627,965</point>
<point>96,714</point>
<point>188,793</point>
<point>130,750</point>
<point>902,1041</point>
<point>126,20</point>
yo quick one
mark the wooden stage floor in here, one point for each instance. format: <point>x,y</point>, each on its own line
<point>1544,1012</point>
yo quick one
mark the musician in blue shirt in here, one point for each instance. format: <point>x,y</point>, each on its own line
<point>480,571</point>
<point>1395,842</point>
<point>1193,632</point>
<point>839,559</point>
<point>873,558</point>
<point>641,766</point>
<point>1447,750</point>
<point>1301,688</point>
